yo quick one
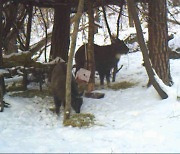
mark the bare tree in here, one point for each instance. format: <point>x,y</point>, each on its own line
<point>144,49</point>
<point>131,23</point>
<point>70,59</point>
<point>29,24</point>
<point>158,39</point>
<point>91,62</point>
<point>1,59</point>
<point>14,15</point>
<point>61,32</point>
<point>46,40</point>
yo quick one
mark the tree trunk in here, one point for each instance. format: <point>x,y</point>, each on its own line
<point>12,44</point>
<point>158,39</point>
<point>2,84</point>
<point>106,21</point>
<point>1,59</point>
<point>1,100</point>
<point>10,32</point>
<point>131,23</point>
<point>144,49</point>
<point>61,32</point>
<point>70,59</point>
<point>29,24</point>
<point>91,62</point>
<point>97,20</point>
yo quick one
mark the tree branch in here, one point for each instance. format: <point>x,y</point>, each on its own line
<point>144,50</point>
<point>70,59</point>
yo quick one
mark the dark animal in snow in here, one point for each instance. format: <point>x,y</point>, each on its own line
<point>106,58</point>
<point>58,85</point>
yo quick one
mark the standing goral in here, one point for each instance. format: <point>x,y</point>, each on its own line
<point>58,87</point>
<point>106,58</point>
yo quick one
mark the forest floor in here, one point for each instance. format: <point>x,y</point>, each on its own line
<point>133,119</point>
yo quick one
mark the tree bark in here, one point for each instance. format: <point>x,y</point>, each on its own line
<point>158,39</point>
<point>118,20</point>
<point>46,33</point>
<point>10,32</point>
<point>61,32</point>
<point>90,52</point>
<point>29,24</point>
<point>2,84</point>
<point>144,50</point>
<point>1,99</point>
<point>97,20</point>
<point>105,18</point>
<point>70,59</point>
<point>131,23</point>
<point>1,59</point>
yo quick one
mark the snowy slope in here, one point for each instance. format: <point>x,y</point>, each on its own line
<point>130,120</point>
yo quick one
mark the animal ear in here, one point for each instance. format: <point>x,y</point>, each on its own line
<point>113,38</point>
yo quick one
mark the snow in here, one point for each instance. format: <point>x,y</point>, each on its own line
<point>131,120</point>
<point>2,71</point>
<point>174,28</point>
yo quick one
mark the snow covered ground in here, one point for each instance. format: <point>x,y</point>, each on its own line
<point>130,120</point>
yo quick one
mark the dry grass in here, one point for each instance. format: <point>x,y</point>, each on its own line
<point>80,120</point>
<point>14,86</point>
<point>31,93</point>
<point>122,85</point>
<point>178,98</point>
<point>115,86</point>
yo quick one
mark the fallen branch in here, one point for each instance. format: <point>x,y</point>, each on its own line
<point>37,46</point>
<point>150,72</point>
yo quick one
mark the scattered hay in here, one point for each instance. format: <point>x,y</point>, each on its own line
<point>82,87</point>
<point>31,93</point>
<point>80,120</point>
<point>15,87</point>
<point>122,85</point>
<point>178,98</point>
